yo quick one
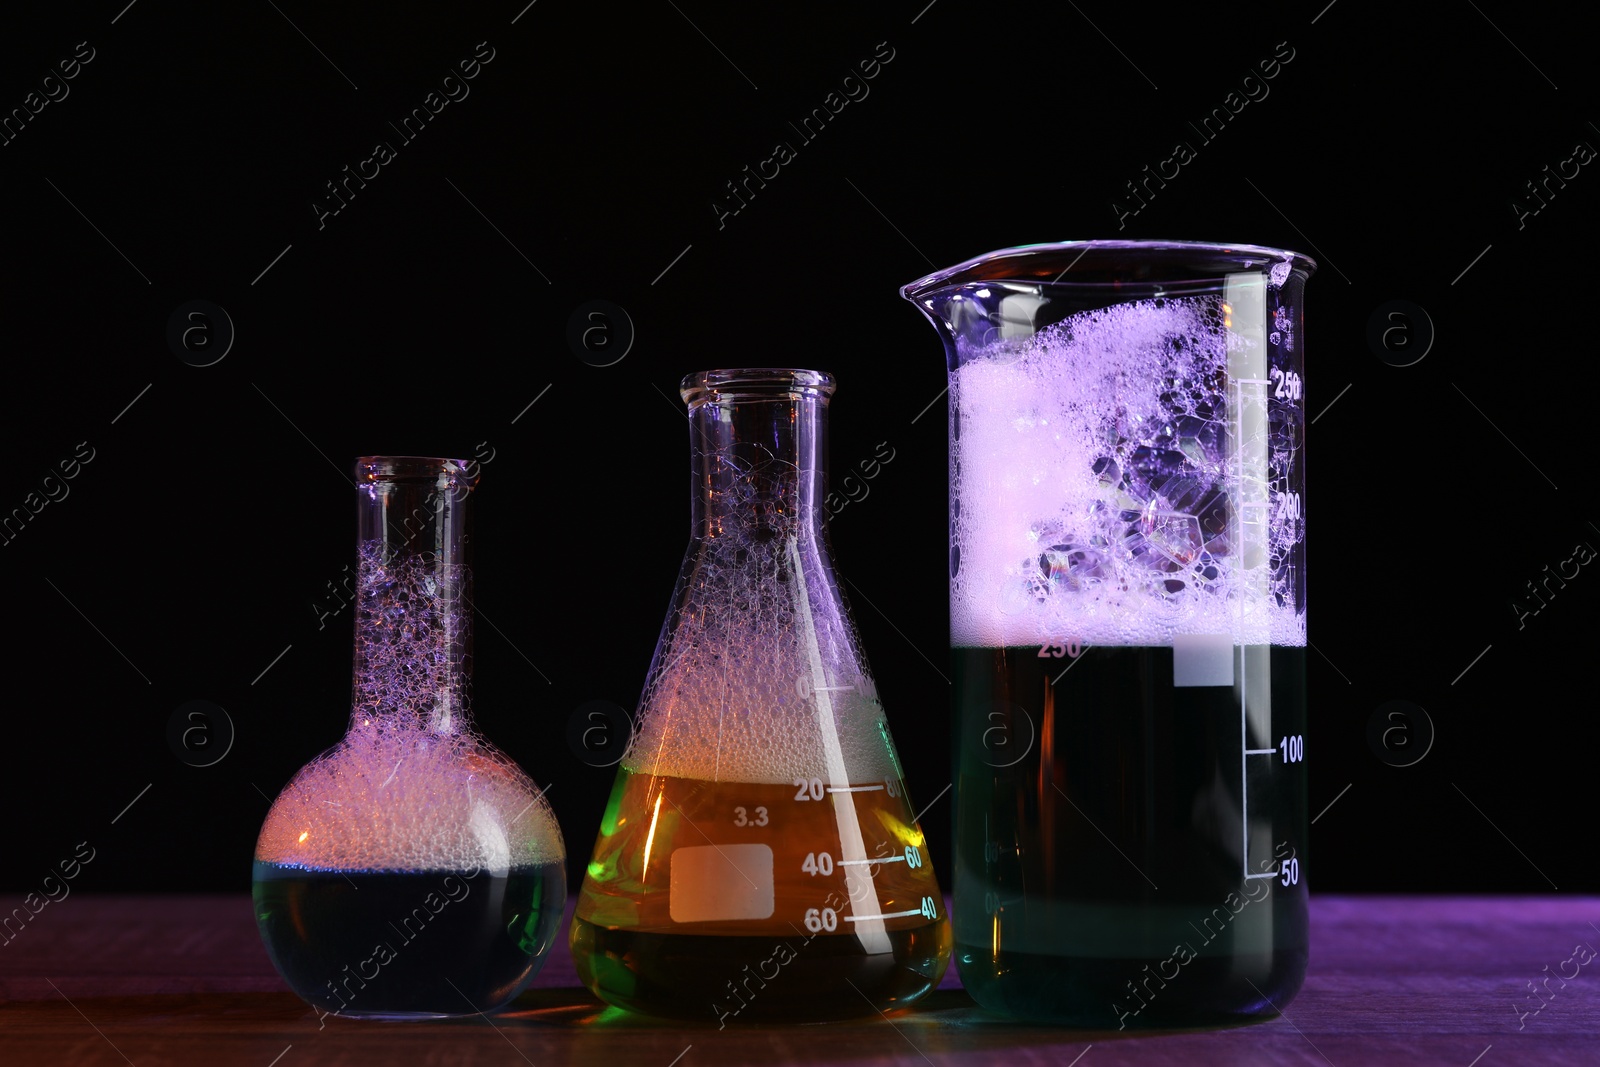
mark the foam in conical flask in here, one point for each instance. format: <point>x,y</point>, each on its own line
<point>758,858</point>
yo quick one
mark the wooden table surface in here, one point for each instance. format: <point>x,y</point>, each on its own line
<point>184,980</point>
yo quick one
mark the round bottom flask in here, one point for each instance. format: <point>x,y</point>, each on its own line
<point>412,870</point>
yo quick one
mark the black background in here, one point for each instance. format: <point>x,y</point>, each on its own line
<point>427,315</point>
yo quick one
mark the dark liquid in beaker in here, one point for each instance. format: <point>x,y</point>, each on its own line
<point>1084,784</point>
<point>397,944</point>
<point>656,932</point>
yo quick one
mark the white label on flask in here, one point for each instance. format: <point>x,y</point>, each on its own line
<point>1202,659</point>
<point>715,883</point>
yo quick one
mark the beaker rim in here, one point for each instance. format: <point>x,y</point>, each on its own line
<point>769,382</point>
<point>414,468</point>
<point>1106,262</point>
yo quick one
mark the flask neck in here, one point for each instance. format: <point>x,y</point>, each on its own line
<point>760,466</point>
<point>413,639</point>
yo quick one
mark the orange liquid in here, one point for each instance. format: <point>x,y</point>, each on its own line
<point>733,901</point>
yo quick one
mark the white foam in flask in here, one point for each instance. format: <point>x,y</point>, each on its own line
<point>1112,478</point>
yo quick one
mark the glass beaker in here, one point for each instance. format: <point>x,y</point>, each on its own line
<point>1127,625</point>
<point>412,870</point>
<point>759,858</point>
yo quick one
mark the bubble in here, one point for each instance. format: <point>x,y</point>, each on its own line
<point>409,787</point>
<point>763,695</point>
<point>1175,536</point>
<point>1105,500</point>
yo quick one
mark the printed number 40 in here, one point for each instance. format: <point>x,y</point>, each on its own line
<point>817,863</point>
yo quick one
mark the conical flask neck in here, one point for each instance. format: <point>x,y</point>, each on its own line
<point>413,596</point>
<point>759,459</point>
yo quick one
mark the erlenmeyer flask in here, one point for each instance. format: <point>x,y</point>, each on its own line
<point>758,858</point>
<point>412,870</point>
